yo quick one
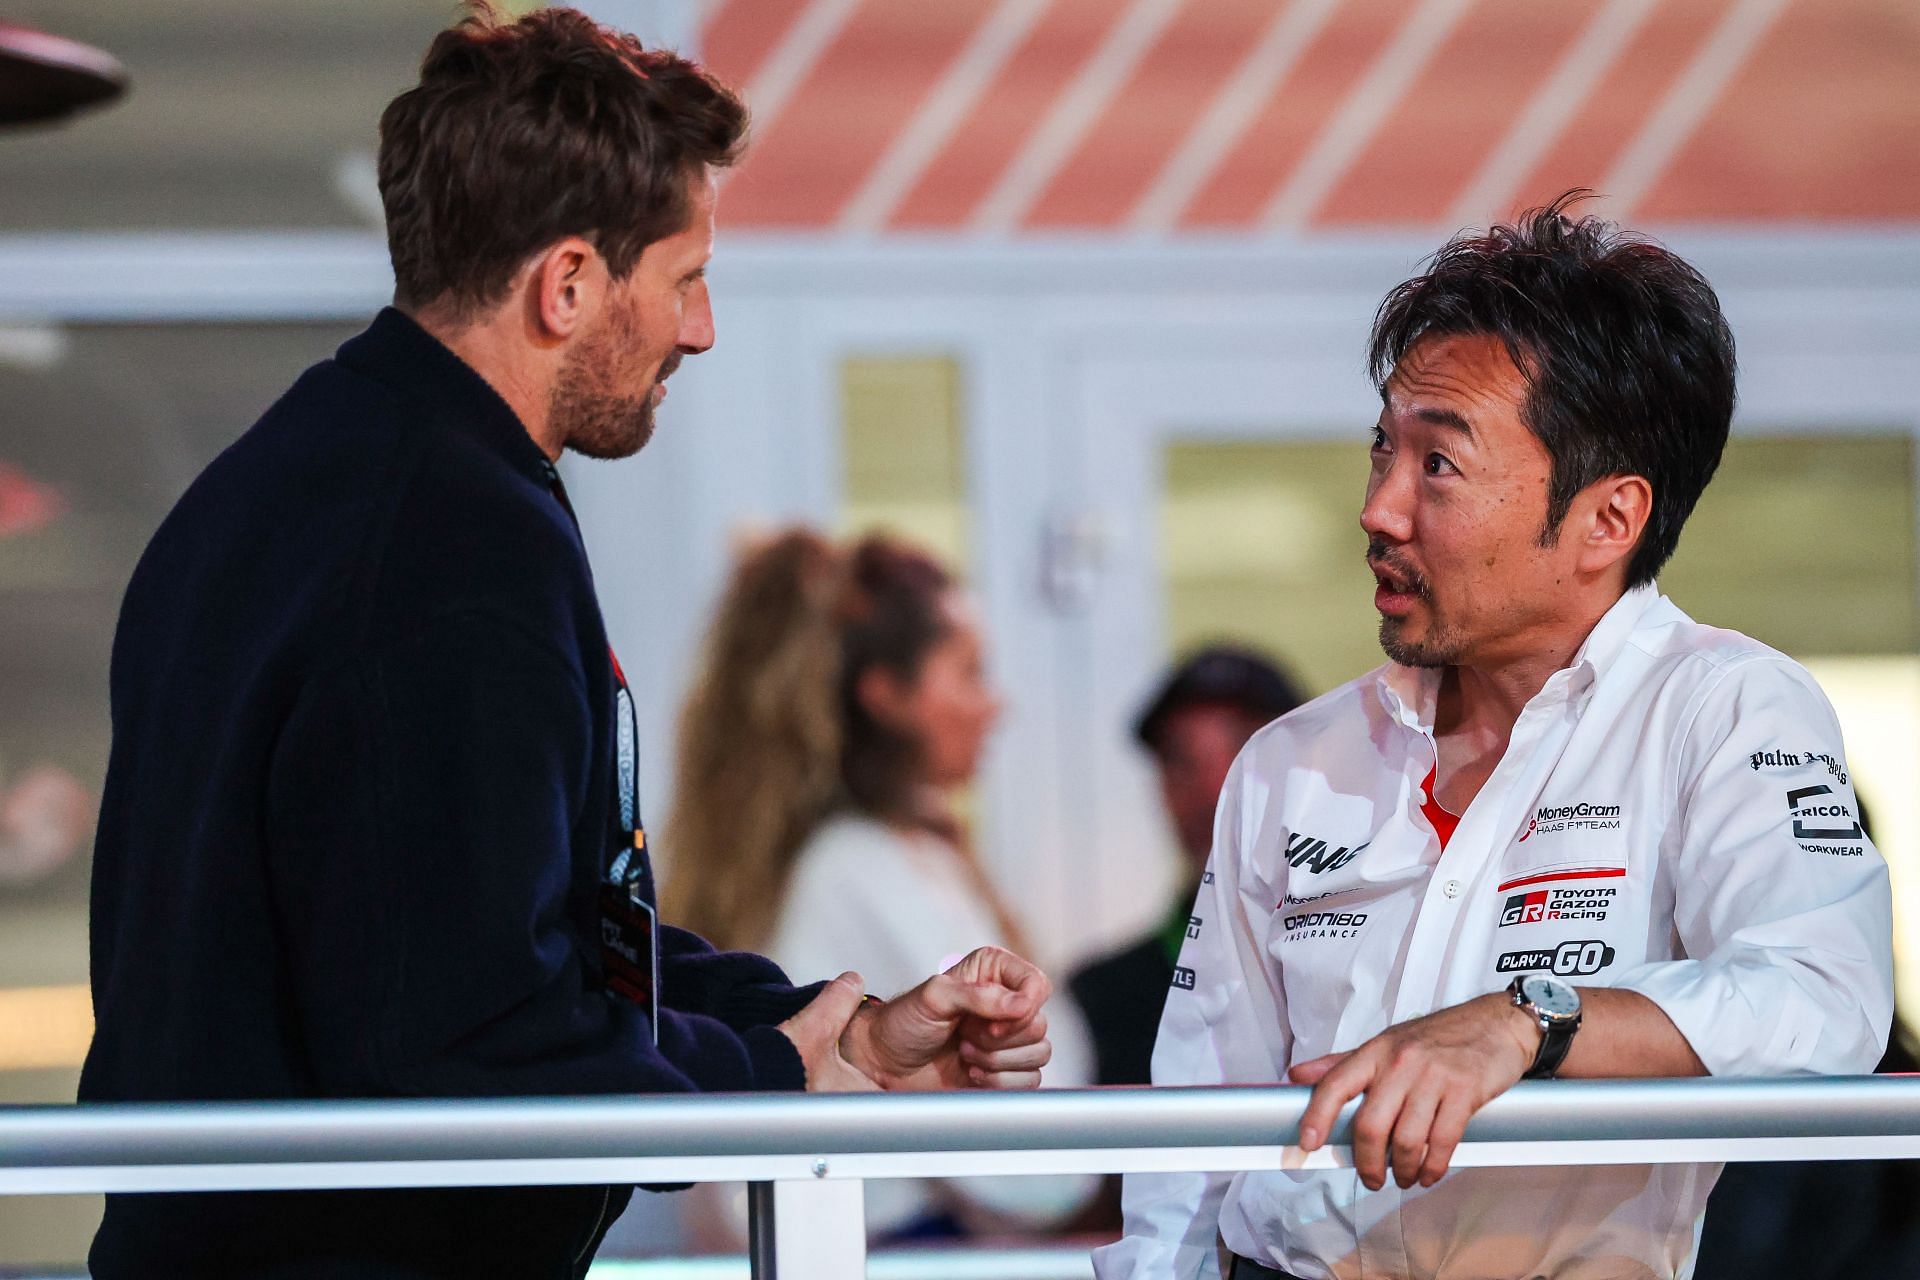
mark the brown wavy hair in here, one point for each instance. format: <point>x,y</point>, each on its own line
<point>522,133</point>
<point>774,738</point>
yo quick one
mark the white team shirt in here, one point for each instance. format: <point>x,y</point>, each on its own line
<point>1672,816</point>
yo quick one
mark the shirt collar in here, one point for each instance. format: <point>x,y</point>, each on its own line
<point>1609,635</point>
<point>395,351</point>
<point>1409,694</point>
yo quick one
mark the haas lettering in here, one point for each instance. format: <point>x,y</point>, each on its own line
<point>1308,853</point>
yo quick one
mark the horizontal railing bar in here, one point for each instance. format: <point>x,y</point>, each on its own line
<point>1037,1262</point>
<point>262,1145</point>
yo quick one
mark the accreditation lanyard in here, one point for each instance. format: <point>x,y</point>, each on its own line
<point>629,921</point>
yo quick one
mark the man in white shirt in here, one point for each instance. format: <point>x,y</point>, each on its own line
<point>1558,782</point>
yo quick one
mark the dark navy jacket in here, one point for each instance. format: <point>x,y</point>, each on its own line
<point>360,798</point>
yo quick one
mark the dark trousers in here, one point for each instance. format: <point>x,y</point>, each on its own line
<point>1248,1269</point>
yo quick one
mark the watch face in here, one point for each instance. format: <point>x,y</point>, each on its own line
<point>1551,996</point>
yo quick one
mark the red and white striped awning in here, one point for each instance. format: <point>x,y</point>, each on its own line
<point>1283,116</point>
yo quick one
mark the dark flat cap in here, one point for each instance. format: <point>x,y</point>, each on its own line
<point>1219,673</point>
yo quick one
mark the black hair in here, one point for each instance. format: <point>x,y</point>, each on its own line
<point>1628,360</point>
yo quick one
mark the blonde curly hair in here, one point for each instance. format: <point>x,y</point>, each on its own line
<point>760,741</point>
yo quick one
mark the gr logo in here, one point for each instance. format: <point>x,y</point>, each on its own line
<point>1524,908</point>
<point>1569,959</point>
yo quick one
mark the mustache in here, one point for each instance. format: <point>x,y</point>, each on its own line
<point>1389,563</point>
<point>667,367</point>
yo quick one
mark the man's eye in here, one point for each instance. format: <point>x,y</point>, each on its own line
<point>1439,465</point>
<point>1377,441</point>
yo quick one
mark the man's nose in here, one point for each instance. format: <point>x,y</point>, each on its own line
<point>696,322</point>
<point>1387,512</point>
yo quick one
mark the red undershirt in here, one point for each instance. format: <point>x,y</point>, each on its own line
<point>1443,822</point>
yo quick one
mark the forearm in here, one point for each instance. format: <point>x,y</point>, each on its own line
<point>1622,1033</point>
<point>1424,1079</point>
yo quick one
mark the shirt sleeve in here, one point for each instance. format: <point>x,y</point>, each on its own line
<point>1225,1023</point>
<point>423,807</point>
<point>1781,903</point>
<point>739,988</point>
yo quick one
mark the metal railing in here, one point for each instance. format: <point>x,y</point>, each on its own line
<point>807,1155</point>
<point>960,1262</point>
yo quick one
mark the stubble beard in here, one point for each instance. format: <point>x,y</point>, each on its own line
<point>593,419</point>
<point>1438,650</point>
<point>1441,648</point>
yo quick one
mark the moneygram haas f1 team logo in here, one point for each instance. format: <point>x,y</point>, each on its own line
<point>1583,815</point>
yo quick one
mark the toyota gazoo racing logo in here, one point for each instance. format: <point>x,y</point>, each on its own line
<point>1568,960</point>
<point>1566,893</point>
<point>1552,819</point>
<point>1543,905</point>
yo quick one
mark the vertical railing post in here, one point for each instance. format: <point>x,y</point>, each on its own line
<point>812,1229</point>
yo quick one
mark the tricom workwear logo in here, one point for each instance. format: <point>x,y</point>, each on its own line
<point>1838,830</point>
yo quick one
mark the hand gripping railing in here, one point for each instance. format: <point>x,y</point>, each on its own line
<point>806,1155</point>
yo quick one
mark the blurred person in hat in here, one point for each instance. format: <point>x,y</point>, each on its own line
<point>1203,712</point>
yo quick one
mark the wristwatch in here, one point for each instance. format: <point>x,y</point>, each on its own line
<point>1555,1005</point>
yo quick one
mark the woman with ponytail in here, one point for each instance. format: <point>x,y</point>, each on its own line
<point>840,712</point>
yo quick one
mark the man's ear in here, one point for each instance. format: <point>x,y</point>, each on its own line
<point>883,696</point>
<point>565,283</point>
<point>1620,507</point>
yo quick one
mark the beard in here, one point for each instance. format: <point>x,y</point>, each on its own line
<point>589,413</point>
<point>1441,647</point>
<point>1438,650</point>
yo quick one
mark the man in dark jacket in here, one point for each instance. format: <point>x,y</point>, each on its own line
<point>370,826</point>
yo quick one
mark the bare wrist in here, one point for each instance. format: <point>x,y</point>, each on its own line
<point>856,1042</point>
<point>1525,1029</point>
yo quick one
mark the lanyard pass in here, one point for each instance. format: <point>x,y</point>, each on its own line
<point>630,948</point>
<point>629,922</point>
